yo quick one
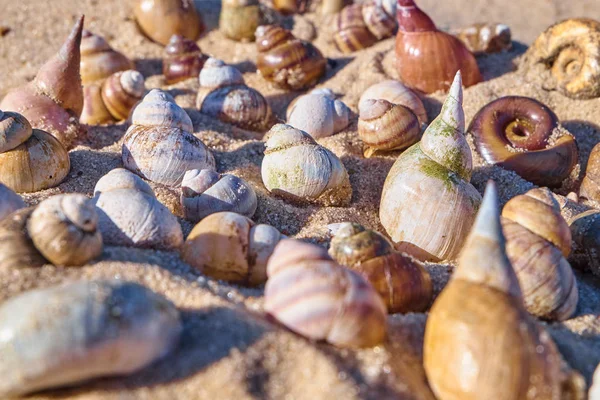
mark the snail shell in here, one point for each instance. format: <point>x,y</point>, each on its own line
<point>566,57</point>
<point>318,113</point>
<point>183,59</point>
<point>114,99</point>
<point>161,19</point>
<point>239,19</point>
<point>230,247</point>
<point>315,297</point>
<point>585,231</point>
<point>53,101</point>
<point>537,241</point>
<point>427,58</point>
<point>80,331</point>
<point>428,205</point>
<point>16,248</point>
<point>396,93</point>
<point>288,62</point>
<point>523,135</point>
<point>403,284</point>
<point>480,315</point>
<point>386,126</point>
<point>159,145</point>
<point>287,7</point>
<point>589,189</point>
<point>130,215</point>
<point>359,26</point>
<point>297,168</point>
<point>99,60</point>
<point>224,95</point>
<point>9,201</point>
<point>485,38</point>
<point>30,159</point>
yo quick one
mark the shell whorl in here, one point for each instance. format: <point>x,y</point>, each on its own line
<point>158,108</point>
<point>92,43</point>
<point>14,130</point>
<point>133,83</point>
<point>99,60</point>
<point>216,74</point>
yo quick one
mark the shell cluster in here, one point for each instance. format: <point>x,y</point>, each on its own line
<point>318,113</point>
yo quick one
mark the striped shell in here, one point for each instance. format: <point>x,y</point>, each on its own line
<point>182,59</point>
<point>318,113</point>
<point>99,60</point>
<point>396,93</point>
<point>359,26</point>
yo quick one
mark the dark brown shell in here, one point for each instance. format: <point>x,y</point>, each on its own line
<point>16,248</point>
<point>183,59</point>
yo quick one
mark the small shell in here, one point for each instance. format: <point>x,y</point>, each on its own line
<point>99,60</point>
<point>239,19</point>
<point>16,248</point>
<point>359,26</point>
<point>485,38</point>
<point>315,297</point>
<point>63,335</point>
<point>207,192</point>
<point>318,113</point>
<point>297,168</point>
<point>161,19</point>
<point>228,246</point>
<point>590,189</point>
<point>9,201</point>
<point>585,231</point>
<point>182,60</point>
<point>396,93</point>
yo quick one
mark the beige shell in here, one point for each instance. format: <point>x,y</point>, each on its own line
<point>239,19</point>
<point>297,168</point>
<point>159,145</point>
<point>161,19</point>
<point>318,113</point>
<point>99,60</point>
<point>396,93</point>
<point>130,215</point>
<point>315,297</point>
<point>428,205</point>
<point>485,37</point>
<point>9,201</point>
<point>230,247</point>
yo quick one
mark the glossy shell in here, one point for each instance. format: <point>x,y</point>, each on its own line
<point>239,19</point>
<point>182,59</point>
<point>161,19</point>
<point>318,113</point>
<point>99,60</point>
<point>396,93</point>
<point>589,189</point>
<point>359,26</point>
<point>9,201</point>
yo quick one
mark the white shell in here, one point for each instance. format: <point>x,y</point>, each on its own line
<point>9,201</point>
<point>215,73</point>
<point>318,113</point>
<point>133,83</point>
<point>396,93</point>
<point>71,333</point>
<point>120,178</point>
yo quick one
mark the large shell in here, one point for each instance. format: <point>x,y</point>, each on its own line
<point>297,168</point>
<point>9,201</point>
<point>428,205</point>
<point>239,19</point>
<point>161,19</point>
<point>318,113</point>
<point>182,59</point>
<point>159,144</point>
<point>359,26</point>
<point>396,93</point>
<point>315,297</point>
<point>228,246</point>
<point>99,60</point>
<point>67,334</point>
<point>207,192</point>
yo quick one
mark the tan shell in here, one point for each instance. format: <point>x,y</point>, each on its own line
<point>485,38</point>
<point>99,60</point>
<point>359,26</point>
<point>396,93</point>
<point>318,113</point>
<point>161,19</point>
<point>239,19</point>
<point>9,201</point>
<point>16,248</point>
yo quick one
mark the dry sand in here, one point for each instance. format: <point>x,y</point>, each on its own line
<point>229,349</point>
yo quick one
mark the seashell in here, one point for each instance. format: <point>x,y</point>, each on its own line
<point>287,7</point>
<point>130,215</point>
<point>114,99</point>
<point>159,20</point>
<point>9,201</point>
<point>230,247</point>
<point>99,60</point>
<point>589,189</point>
<point>313,296</point>
<point>207,192</point>
<point>53,101</point>
<point>480,315</point>
<point>224,95</point>
<point>523,135</point>
<point>239,19</point>
<point>403,283</point>
<point>537,241</point>
<point>318,113</point>
<point>396,93</point>
<point>332,6</point>
<point>159,145</point>
<point>81,331</point>
<point>566,57</point>
<point>183,59</point>
<point>288,62</point>
<point>295,167</point>
<point>428,205</point>
<point>359,26</point>
<point>485,38</point>
<point>426,58</point>
<point>61,230</point>
<point>30,159</point>
<point>585,232</point>
<point>386,126</point>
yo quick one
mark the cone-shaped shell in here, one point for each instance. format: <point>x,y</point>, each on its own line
<point>99,60</point>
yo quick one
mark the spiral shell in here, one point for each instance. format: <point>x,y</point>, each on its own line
<point>359,26</point>
<point>427,58</point>
<point>428,205</point>
<point>30,160</point>
<point>396,93</point>
<point>161,19</point>
<point>485,38</point>
<point>230,247</point>
<point>566,57</point>
<point>523,135</point>
<point>183,59</point>
<point>386,126</point>
<point>288,62</point>
<point>318,113</point>
<point>239,19</point>
<point>403,284</point>
<point>159,145</point>
<point>585,231</point>
<point>589,189</point>
<point>9,201</point>
<point>53,101</point>
<point>480,315</point>
<point>207,192</point>
<point>99,60</point>
<point>297,168</point>
<point>80,331</point>
<point>315,297</point>
<point>224,95</point>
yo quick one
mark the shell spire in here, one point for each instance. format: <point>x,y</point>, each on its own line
<point>484,260</point>
<point>412,19</point>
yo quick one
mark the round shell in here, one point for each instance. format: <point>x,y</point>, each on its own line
<point>121,92</point>
<point>16,248</point>
<point>9,201</point>
<point>396,93</point>
<point>161,19</point>
<point>99,60</point>
<point>182,59</point>
<point>318,113</point>
<point>239,19</point>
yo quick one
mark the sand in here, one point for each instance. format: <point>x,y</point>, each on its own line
<point>229,349</point>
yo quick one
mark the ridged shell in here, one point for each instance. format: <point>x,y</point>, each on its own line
<point>182,60</point>
<point>318,113</point>
<point>161,19</point>
<point>359,26</point>
<point>396,93</point>
<point>239,19</point>
<point>99,60</point>
<point>9,201</point>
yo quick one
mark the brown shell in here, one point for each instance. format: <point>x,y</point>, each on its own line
<point>590,189</point>
<point>94,111</point>
<point>183,59</point>
<point>16,248</point>
<point>239,19</point>
<point>99,60</point>
<point>161,19</point>
<point>351,31</point>
<point>118,99</point>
